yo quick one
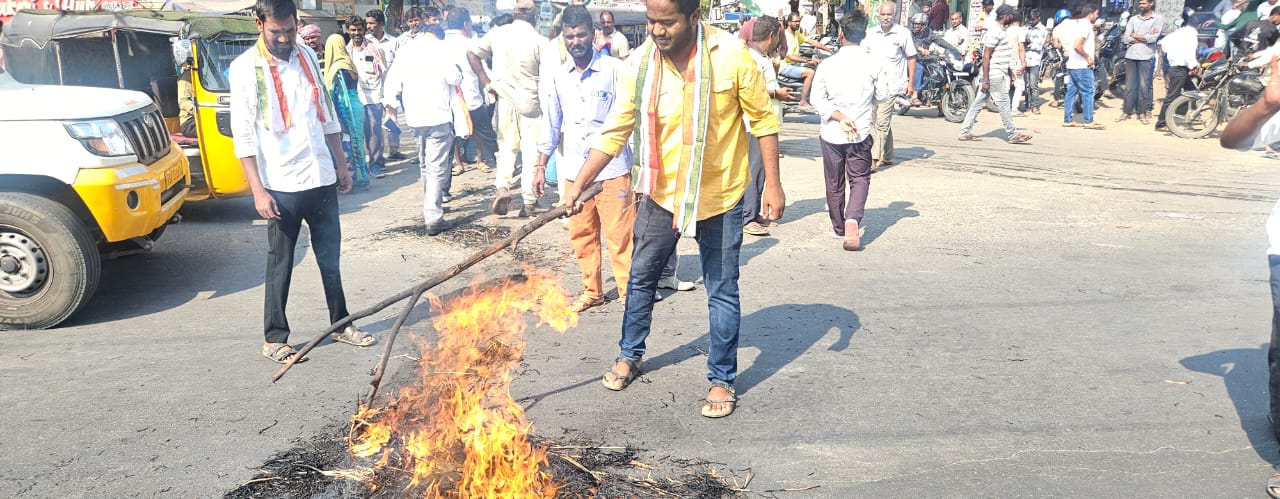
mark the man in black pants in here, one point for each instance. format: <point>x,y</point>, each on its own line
<point>289,141</point>
<point>1180,51</point>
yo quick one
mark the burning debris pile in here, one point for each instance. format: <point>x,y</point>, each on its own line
<point>453,429</point>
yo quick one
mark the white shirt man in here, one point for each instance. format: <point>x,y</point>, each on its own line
<point>895,47</point>
<point>292,159</point>
<point>844,93</point>
<point>897,52</point>
<point>1070,31</point>
<point>1264,8</point>
<point>424,83</point>
<point>516,50</point>
<point>371,66</point>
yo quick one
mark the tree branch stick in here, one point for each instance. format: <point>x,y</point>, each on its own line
<point>423,286</point>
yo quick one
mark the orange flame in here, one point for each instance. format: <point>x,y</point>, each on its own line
<point>456,428</point>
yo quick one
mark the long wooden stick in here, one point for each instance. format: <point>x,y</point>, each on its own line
<point>423,286</point>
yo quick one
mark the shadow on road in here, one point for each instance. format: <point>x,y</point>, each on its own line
<point>875,221</point>
<point>1244,372</point>
<point>782,333</point>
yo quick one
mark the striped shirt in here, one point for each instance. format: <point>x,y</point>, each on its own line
<point>998,39</point>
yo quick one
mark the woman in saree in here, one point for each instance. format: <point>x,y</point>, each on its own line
<point>340,79</point>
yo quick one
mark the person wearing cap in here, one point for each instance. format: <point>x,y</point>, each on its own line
<point>516,50</point>
<point>998,58</point>
<point>894,44</point>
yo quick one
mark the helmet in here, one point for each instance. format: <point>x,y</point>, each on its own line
<point>1061,15</point>
<point>1187,12</point>
<point>920,18</point>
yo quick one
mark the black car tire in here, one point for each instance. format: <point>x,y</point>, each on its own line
<point>48,261</point>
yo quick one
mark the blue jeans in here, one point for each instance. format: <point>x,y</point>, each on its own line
<point>1080,87</point>
<point>719,244</point>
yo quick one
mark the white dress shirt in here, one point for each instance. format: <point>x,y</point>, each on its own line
<point>893,48</point>
<point>1180,47</point>
<point>846,82</point>
<point>292,160</point>
<point>458,44</point>
<point>425,83</point>
<point>388,44</point>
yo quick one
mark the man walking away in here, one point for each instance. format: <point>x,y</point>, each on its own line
<point>997,60</point>
<point>371,69</point>
<point>516,50</point>
<point>1179,49</point>
<point>844,93</point>
<point>693,176</point>
<point>426,83</point>
<point>581,91</point>
<point>483,143</point>
<point>764,41</point>
<point>1079,41</point>
<point>289,141</point>
<point>894,44</point>
<point>1140,35</point>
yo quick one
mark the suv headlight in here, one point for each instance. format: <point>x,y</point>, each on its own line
<point>101,137</point>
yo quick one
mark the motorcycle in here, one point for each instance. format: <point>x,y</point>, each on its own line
<point>1223,90</point>
<point>941,86</point>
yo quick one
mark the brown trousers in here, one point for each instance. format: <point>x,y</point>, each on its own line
<point>613,213</point>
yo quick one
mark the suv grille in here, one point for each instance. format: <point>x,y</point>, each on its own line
<point>147,133</point>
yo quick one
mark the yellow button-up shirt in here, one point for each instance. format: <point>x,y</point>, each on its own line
<point>738,91</point>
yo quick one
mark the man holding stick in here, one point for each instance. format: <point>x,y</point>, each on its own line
<point>693,87</point>
<point>289,141</point>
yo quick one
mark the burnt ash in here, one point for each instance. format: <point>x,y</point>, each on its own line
<point>314,469</point>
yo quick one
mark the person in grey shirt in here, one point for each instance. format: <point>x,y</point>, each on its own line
<point>1140,35</point>
<point>997,60</point>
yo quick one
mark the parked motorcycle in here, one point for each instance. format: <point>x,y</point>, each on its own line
<point>941,86</point>
<point>1224,89</point>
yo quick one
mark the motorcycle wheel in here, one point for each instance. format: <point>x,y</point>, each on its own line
<point>902,110</point>
<point>956,101</point>
<point>1191,118</point>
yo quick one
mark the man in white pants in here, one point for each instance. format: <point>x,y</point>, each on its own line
<point>516,50</point>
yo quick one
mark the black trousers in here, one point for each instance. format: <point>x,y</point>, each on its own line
<point>319,209</point>
<point>1175,82</point>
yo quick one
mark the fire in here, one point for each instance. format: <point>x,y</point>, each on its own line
<point>456,428</point>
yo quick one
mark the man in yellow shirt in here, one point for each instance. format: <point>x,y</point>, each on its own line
<point>691,86</point>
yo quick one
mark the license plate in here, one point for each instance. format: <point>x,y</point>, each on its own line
<point>172,176</point>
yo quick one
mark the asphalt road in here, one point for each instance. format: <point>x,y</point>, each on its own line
<point>1083,316</point>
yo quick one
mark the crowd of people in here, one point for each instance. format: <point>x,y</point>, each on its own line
<point>680,132</point>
